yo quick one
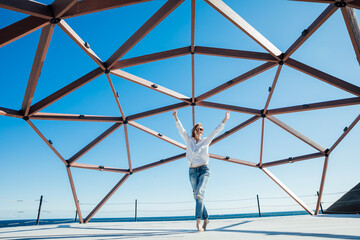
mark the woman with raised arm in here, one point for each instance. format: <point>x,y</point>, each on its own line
<point>197,154</point>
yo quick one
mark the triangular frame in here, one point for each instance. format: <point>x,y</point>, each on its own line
<point>46,17</point>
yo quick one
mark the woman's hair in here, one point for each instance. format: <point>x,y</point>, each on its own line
<point>193,130</point>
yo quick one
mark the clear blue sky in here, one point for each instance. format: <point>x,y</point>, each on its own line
<point>30,169</point>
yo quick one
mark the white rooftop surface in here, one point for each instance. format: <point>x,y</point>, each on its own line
<point>289,227</point>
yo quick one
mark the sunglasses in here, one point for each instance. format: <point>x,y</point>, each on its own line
<point>199,129</point>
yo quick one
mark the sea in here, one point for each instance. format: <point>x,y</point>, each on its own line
<point>29,222</point>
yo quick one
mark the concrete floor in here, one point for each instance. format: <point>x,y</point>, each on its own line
<point>290,227</point>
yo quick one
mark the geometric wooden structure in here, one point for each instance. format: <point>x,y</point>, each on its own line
<point>46,17</point>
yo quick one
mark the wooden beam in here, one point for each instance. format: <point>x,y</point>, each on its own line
<point>262,141</point>
<point>65,90</point>
<point>158,163</point>
<point>193,78</point>
<point>325,1</point>
<point>91,6</point>
<point>29,7</point>
<point>233,160</point>
<point>296,134</point>
<point>193,88</point>
<point>46,141</point>
<point>115,94</point>
<point>192,50</point>
<point>93,143</point>
<point>229,107</point>
<point>272,88</point>
<point>315,106</point>
<point>235,129</point>
<point>157,134</point>
<point>149,25</point>
<point>310,30</point>
<point>106,198</point>
<point>152,57</point>
<point>157,111</point>
<point>10,112</point>
<point>151,85</point>
<point>292,159</point>
<point>74,117</point>
<point>60,7</point>
<point>237,80</point>
<point>99,168</point>
<point>354,4</point>
<point>287,190</point>
<point>20,29</point>
<point>352,26</point>
<point>39,59</point>
<point>315,1</point>
<point>336,82</point>
<point>192,37</point>
<point>323,176</point>
<point>239,22</point>
<point>127,147</point>
<point>83,45</point>
<point>222,52</point>
<point>73,190</point>
<point>346,131</point>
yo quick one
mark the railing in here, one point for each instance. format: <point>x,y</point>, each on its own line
<point>132,210</point>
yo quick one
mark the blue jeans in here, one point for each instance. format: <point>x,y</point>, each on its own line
<point>198,179</point>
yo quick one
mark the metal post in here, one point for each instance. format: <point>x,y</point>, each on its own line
<point>258,202</point>
<point>135,210</point>
<point>322,211</point>
<point>38,216</point>
<point>76,213</point>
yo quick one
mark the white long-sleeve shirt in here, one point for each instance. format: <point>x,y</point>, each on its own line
<point>198,153</point>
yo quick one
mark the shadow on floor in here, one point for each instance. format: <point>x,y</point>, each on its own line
<point>161,233</point>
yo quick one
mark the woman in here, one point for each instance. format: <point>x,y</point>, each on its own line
<point>197,154</point>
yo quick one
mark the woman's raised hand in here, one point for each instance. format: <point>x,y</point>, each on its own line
<point>175,114</point>
<point>227,116</point>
